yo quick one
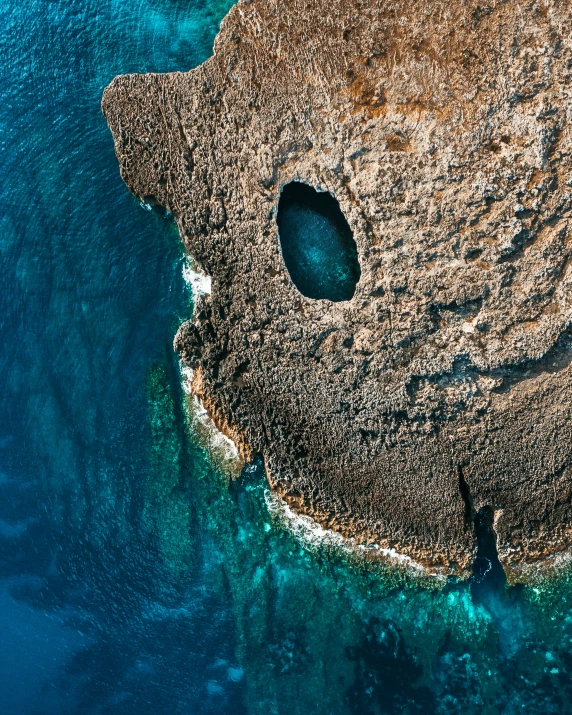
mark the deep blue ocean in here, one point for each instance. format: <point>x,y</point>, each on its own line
<point>136,575</point>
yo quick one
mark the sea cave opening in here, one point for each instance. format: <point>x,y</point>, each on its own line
<point>488,573</point>
<point>317,243</point>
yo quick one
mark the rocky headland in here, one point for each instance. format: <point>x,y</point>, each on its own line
<point>441,389</point>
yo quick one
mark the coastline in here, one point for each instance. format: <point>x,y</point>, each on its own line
<point>440,392</point>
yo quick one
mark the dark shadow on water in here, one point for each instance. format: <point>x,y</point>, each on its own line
<point>489,587</point>
<point>387,674</point>
<point>488,574</point>
<point>488,577</point>
<point>317,243</point>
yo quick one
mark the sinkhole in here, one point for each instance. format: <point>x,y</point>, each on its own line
<point>317,243</point>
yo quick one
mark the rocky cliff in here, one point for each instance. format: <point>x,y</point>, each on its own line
<point>444,385</point>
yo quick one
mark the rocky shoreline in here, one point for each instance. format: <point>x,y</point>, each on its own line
<point>443,386</point>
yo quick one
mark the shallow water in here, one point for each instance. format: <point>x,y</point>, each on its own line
<point>134,577</point>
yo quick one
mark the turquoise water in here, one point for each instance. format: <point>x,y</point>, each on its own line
<point>317,243</point>
<point>135,577</point>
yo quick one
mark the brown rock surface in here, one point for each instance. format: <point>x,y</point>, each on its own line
<point>444,385</point>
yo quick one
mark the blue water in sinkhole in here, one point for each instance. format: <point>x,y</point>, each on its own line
<point>317,243</point>
<point>135,578</point>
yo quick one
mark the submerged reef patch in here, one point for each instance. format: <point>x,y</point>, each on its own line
<point>443,133</point>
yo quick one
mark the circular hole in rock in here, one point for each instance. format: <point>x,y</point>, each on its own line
<point>317,243</point>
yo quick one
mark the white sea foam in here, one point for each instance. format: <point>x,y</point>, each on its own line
<point>539,570</point>
<point>310,533</point>
<point>200,282</point>
<point>302,526</point>
<point>216,439</point>
<point>187,374</point>
<point>305,529</point>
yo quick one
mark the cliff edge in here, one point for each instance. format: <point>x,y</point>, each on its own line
<point>443,386</point>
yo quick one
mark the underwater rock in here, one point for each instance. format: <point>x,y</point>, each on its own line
<point>442,386</point>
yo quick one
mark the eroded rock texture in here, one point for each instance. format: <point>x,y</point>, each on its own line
<point>444,384</point>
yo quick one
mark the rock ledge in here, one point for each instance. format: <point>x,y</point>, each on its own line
<point>444,385</point>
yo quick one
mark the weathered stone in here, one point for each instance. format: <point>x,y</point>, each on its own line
<point>444,384</point>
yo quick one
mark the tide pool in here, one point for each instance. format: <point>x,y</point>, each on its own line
<point>137,574</point>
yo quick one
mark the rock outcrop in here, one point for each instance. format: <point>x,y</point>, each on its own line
<point>444,385</point>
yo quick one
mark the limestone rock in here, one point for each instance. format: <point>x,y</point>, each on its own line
<point>444,385</point>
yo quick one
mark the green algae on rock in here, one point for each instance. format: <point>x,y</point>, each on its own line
<point>442,387</point>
